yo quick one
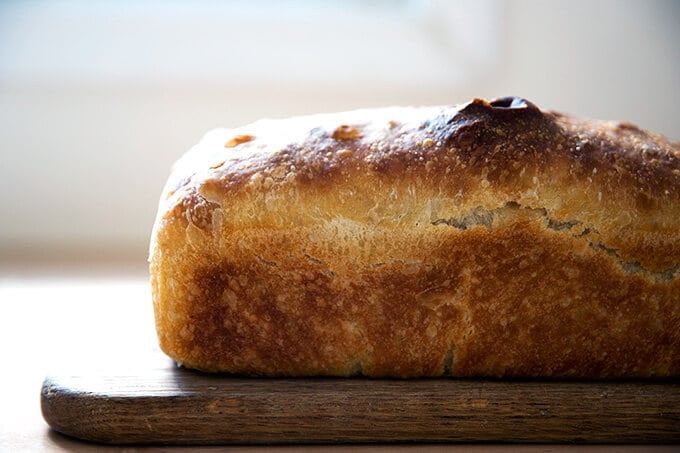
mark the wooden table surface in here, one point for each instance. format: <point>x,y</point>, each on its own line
<point>50,321</point>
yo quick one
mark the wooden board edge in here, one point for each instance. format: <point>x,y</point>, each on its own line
<point>186,408</point>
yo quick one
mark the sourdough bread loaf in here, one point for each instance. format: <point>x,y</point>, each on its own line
<point>486,239</point>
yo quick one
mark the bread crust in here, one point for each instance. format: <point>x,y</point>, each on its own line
<point>487,239</point>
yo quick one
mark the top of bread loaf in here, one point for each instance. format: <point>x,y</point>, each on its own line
<point>611,183</point>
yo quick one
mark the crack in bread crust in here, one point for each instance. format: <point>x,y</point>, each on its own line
<point>490,217</point>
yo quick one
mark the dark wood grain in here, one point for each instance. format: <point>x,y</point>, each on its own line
<point>176,406</point>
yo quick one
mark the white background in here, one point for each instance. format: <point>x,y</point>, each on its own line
<point>97,99</point>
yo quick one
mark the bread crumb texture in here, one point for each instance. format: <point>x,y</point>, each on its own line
<point>486,239</point>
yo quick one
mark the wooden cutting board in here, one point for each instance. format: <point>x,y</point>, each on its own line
<point>172,405</point>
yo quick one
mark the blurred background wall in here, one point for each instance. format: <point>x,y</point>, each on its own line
<point>97,99</point>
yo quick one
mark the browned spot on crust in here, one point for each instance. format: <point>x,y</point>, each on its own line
<point>345,132</point>
<point>238,140</point>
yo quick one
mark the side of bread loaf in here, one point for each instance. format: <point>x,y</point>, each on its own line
<point>488,239</point>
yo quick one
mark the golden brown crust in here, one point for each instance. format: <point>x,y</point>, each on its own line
<point>489,239</point>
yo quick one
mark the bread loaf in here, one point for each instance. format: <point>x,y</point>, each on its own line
<point>487,239</point>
